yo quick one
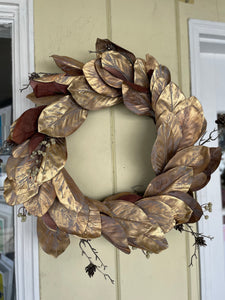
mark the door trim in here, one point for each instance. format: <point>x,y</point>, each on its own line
<point>212,267</point>
<point>19,13</point>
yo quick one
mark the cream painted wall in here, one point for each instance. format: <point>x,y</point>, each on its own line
<point>111,151</point>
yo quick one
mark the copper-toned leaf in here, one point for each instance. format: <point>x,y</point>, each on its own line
<point>140,73</point>
<point>44,89</point>
<point>131,197</point>
<point>94,225</point>
<point>26,125</point>
<point>35,141</point>
<point>114,233</point>
<point>138,103</point>
<point>88,98</point>
<point>52,242</point>
<point>177,179</point>
<point>9,138</point>
<point>53,161</point>
<point>49,222</point>
<point>61,118</point>
<point>197,157</point>
<point>160,72</point>
<point>95,81</point>
<point>158,212</point>
<point>192,203</point>
<point>107,77</point>
<point>166,144</point>
<point>170,97</point>
<point>151,63</point>
<point>118,65</point>
<point>103,45</point>
<point>157,89</point>
<point>68,192</point>
<point>69,65</point>
<point>57,78</point>
<point>41,202</point>
<point>215,158</point>
<point>21,150</point>
<point>44,100</point>
<point>199,181</point>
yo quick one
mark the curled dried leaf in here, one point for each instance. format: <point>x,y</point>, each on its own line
<point>69,65</point>
<point>44,89</point>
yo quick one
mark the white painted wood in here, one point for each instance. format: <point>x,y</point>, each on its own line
<point>19,13</point>
<point>207,41</point>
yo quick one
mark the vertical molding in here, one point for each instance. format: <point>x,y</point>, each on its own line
<point>178,38</point>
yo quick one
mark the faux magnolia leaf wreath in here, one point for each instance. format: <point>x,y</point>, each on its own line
<point>37,177</point>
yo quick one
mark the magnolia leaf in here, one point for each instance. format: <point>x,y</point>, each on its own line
<point>35,141</point>
<point>151,63</point>
<point>9,138</point>
<point>67,192</point>
<point>137,102</point>
<point>61,118</point>
<point>21,150</point>
<point>192,203</point>
<point>26,125</point>
<point>114,233</point>
<point>69,65</point>
<point>96,83</point>
<point>166,144</point>
<point>94,225</point>
<point>157,89</point>
<point>58,78</point>
<point>131,197</point>
<point>44,100</point>
<point>53,161</point>
<point>118,65</point>
<point>106,45</point>
<point>140,73</point>
<point>215,158</point>
<point>197,157</point>
<point>88,98</point>
<point>170,97</point>
<point>176,179</point>
<point>158,212</point>
<point>44,89</point>
<point>160,71</point>
<point>52,242</point>
<point>49,222</point>
<point>41,202</point>
<point>107,77</point>
<point>199,181</point>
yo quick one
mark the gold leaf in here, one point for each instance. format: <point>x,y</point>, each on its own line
<point>199,181</point>
<point>52,242</point>
<point>157,89</point>
<point>215,158</point>
<point>94,225</point>
<point>53,161</point>
<point>114,233</point>
<point>170,97</point>
<point>140,73</point>
<point>151,63</point>
<point>58,78</point>
<point>21,150</point>
<point>197,157</point>
<point>41,202</point>
<point>177,179</point>
<point>160,72</point>
<point>166,144</point>
<point>10,137</point>
<point>137,102</point>
<point>87,98</point>
<point>107,77</point>
<point>44,100</point>
<point>96,83</point>
<point>69,65</point>
<point>61,118</point>
<point>118,65</point>
<point>158,212</point>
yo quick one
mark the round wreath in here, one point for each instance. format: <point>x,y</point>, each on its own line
<point>37,177</point>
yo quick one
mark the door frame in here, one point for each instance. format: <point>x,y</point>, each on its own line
<point>212,267</point>
<point>19,13</point>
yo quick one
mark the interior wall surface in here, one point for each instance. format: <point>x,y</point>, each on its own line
<point>111,151</point>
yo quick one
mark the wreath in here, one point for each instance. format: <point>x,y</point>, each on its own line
<point>38,180</point>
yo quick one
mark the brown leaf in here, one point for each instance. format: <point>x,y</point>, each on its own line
<point>151,63</point>
<point>140,73</point>
<point>158,212</point>
<point>157,89</point>
<point>192,203</point>
<point>215,158</point>
<point>35,140</point>
<point>26,125</point>
<point>57,78</point>
<point>160,71</point>
<point>88,98</point>
<point>61,118</point>
<point>21,150</point>
<point>196,157</point>
<point>41,202</point>
<point>107,77</point>
<point>199,181</point>
<point>166,144</point>
<point>138,103</point>
<point>69,65</point>
<point>177,179</point>
<point>96,83</point>
<point>114,233</point>
<point>49,222</point>
<point>9,138</point>
<point>52,242</point>
<point>94,225</point>
<point>103,45</point>
<point>131,197</point>
<point>118,65</point>
<point>44,89</point>
<point>44,100</point>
